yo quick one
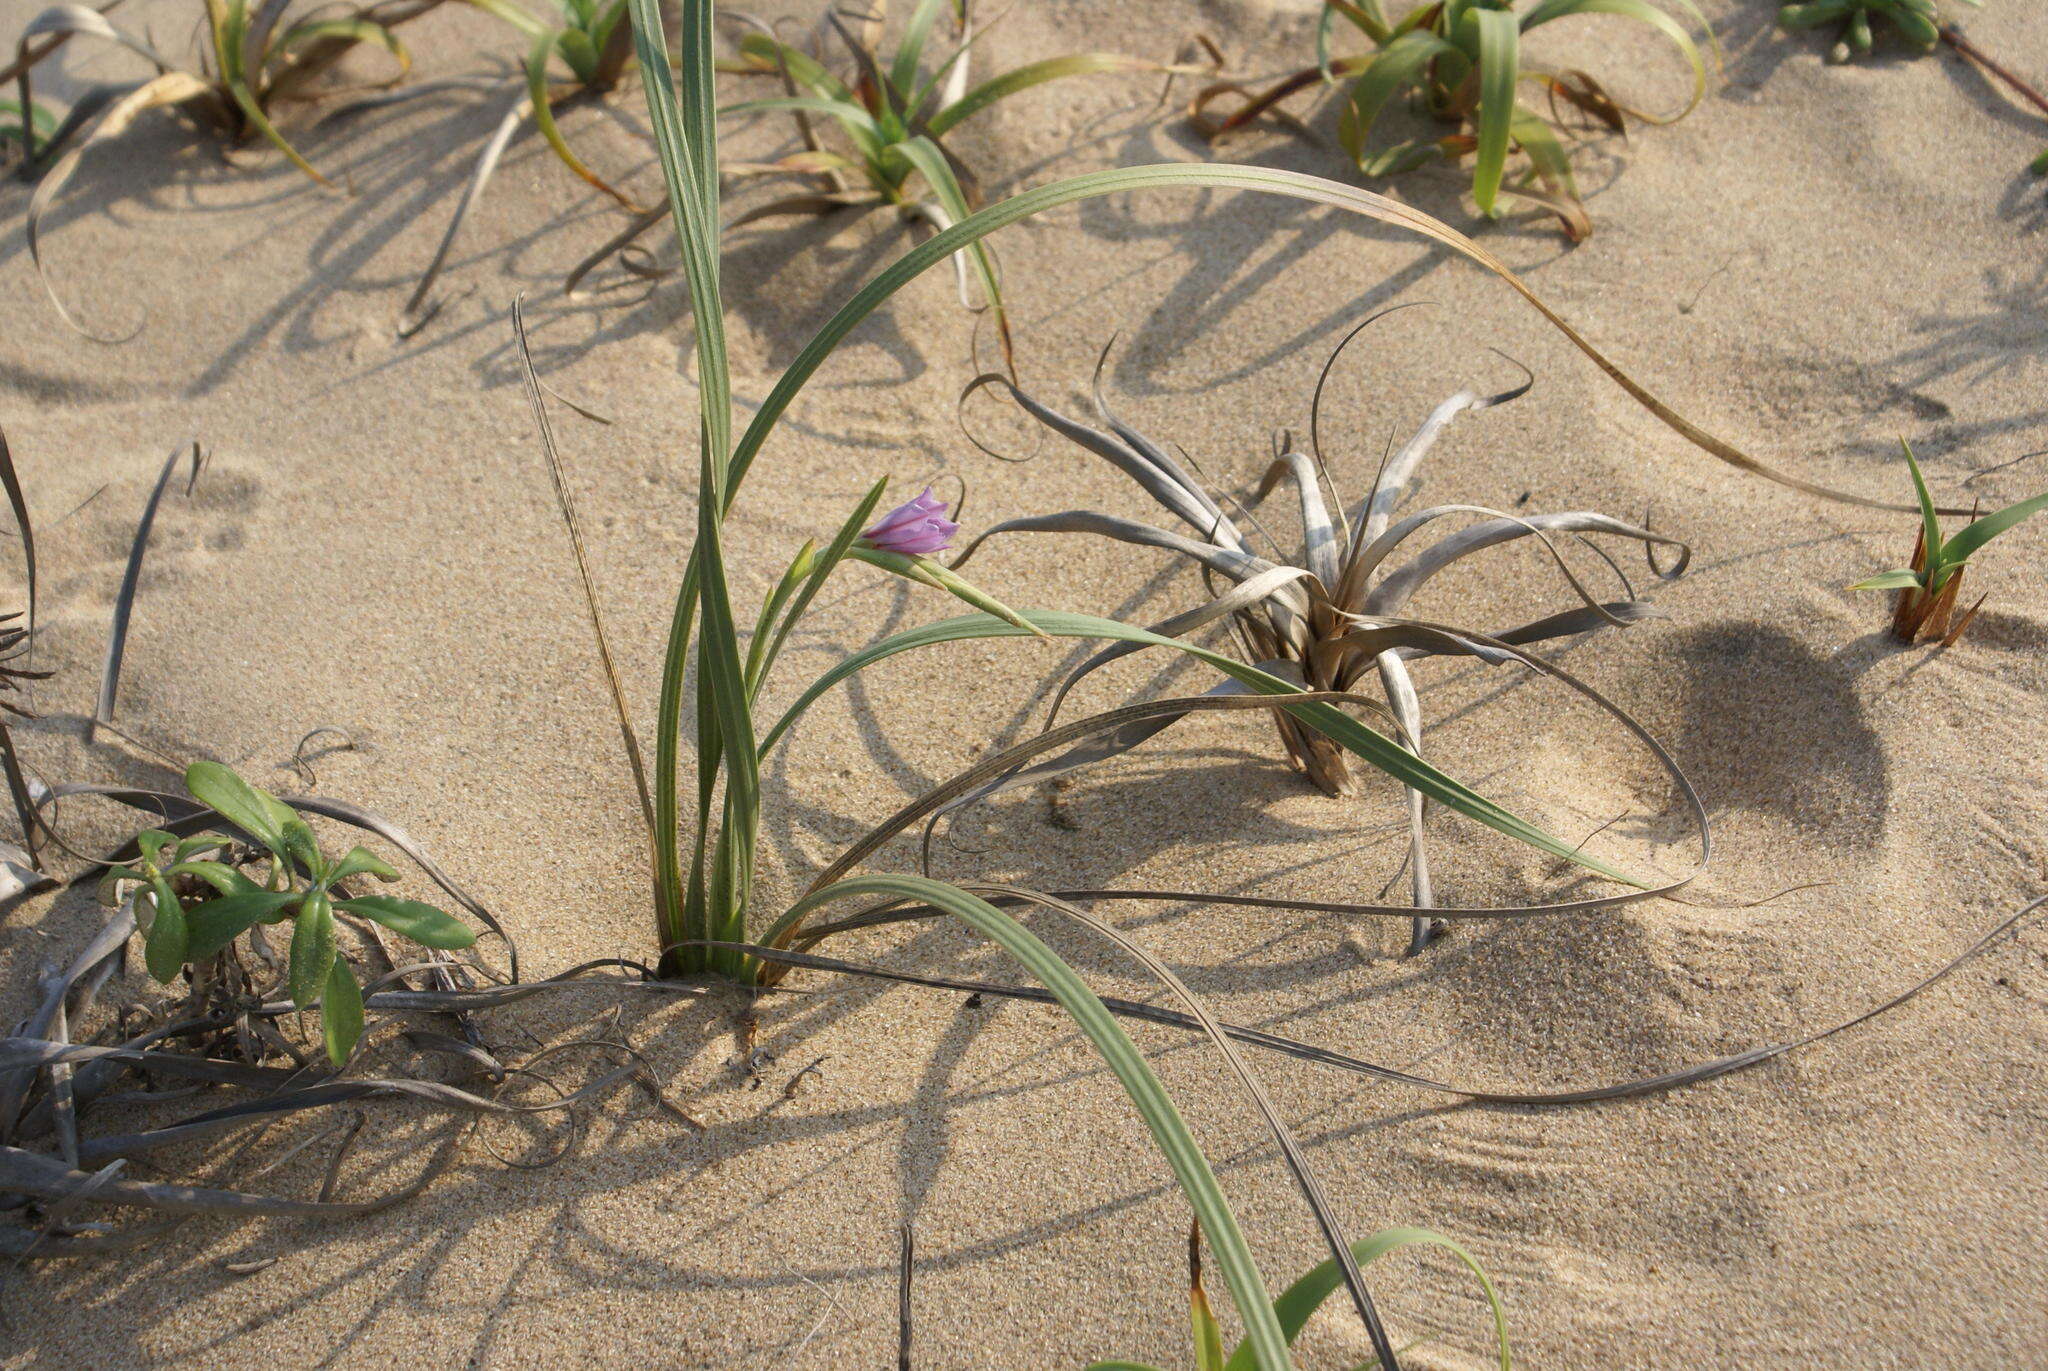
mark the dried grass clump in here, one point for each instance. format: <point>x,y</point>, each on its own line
<point>1324,608</point>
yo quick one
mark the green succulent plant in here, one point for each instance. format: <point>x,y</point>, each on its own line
<point>1917,22</point>
<point>193,905</point>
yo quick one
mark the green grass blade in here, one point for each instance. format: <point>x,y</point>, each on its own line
<point>245,99</point>
<point>1899,579</point>
<point>1024,78</point>
<point>1967,540</point>
<point>1271,180</point>
<point>512,14</point>
<point>1642,12</point>
<point>1499,37</point>
<point>821,571</point>
<point>798,571</point>
<point>537,56</point>
<point>860,126</point>
<point>1375,748</point>
<point>1265,1341</point>
<point>804,69</point>
<point>910,52</point>
<point>931,163</point>
<point>1546,153</point>
<point>682,111</point>
<point>1930,521</point>
<point>1366,15</point>
<point>1397,65</point>
<point>1305,1296</point>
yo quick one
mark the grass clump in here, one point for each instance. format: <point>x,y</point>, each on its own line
<point>590,39</point>
<point>894,109</point>
<point>1459,63</point>
<point>1329,604</point>
<point>194,903</point>
<point>1927,586</point>
<point>253,60</point>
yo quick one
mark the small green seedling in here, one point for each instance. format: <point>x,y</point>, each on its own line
<point>193,905</point>
<point>23,134</point>
<point>1460,64</point>
<point>1927,587</point>
<point>1302,1299</point>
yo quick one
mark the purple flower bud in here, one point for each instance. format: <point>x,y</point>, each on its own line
<point>915,529</point>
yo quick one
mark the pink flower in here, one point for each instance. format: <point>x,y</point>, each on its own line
<point>915,529</point>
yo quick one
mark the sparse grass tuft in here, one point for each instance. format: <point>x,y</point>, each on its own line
<point>1927,586</point>
<point>1459,63</point>
<point>254,59</point>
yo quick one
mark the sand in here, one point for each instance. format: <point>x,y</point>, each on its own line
<point>1819,261</point>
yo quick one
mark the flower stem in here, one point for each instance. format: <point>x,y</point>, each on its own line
<point>1953,36</point>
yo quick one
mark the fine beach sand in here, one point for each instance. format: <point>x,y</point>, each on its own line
<point>1818,261</point>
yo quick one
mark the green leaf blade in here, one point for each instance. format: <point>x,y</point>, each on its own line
<point>217,923</point>
<point>1499,36</point>
<point>313,950</point>
<point>423,923</point>
<point>341,1013</point>
<point>234,799</point>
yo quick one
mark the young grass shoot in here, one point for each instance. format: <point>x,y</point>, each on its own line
<point>1926,588</point>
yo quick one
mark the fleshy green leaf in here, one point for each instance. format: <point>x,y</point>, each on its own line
<point>113,876</point>
<point>163,951</point>
<point>423,923</point>
<point>358,861</point>
<point>219,875</point>
<point>301,846</point>
<point>234,799</point>
<point>341,1012</point>
<point>1968,540</point>
<point>312,949</point>
<point>200,842</point>
<point>1890,580</point>
<point>215,924</point>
